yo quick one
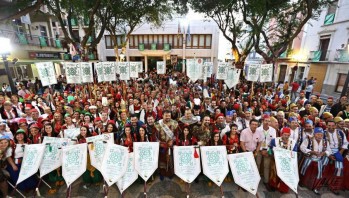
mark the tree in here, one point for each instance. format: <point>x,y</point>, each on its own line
<point>127,15</point>
<point>16,9</point>
<point>227,15</point>
<point>277,23</point>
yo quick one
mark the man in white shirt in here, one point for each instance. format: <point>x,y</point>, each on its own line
<point>4,132</point>
<point>250,140</point>
<point>267,133</point>
<point>295,129</point>
<point>316,149</point>
<point>338,144</point>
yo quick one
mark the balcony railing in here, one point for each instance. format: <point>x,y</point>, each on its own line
<point>32,40</point>
<point>341,55</point>
<point>319,55</point>
<point>153,46</point>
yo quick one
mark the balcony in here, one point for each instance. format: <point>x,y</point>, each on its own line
<point>341,55</point>
<point>319,55</point>
<point>153,46</point>
<point>33,40</point>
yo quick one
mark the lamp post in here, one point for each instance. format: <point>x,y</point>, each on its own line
<point>5,50</point>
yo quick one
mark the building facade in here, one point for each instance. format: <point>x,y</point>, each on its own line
<point>170,41</point>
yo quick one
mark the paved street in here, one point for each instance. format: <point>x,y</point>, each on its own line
<point>175,188</point>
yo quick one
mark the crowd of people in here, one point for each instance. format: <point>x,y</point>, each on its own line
<point>252,117</point>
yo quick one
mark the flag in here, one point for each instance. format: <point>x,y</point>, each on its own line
<point>188,33</point>
<point>179,30</point>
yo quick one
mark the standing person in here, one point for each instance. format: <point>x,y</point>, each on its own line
<point>250,140</point>
<point>266,133</point>
<point>186,138</point>
<point>344,114</point>
<point>5,153</point>
<point>285,142</point>
<point>336,108</point>
<point>167,130</point>
<point>317,150</point>
<point>203,132</point>
<point>232,140</point>
<point>326,107</point>
<point>309,90</point>
<point>295,86</point>
<point>334,170</point>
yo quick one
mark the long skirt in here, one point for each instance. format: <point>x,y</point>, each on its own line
<point>309,179</point>
<point>166,164</point>
<point>346,174</point>
<point>28,184</point>
<point>334,182</point>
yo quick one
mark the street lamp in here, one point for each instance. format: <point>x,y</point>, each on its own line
<point>5,50</point>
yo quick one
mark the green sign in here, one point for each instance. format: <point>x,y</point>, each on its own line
<point>153,46</point>
<point>22,39</point>
<point>58,43</point>
<point>166,47</point>
<point>42,41</point>
<point>329,19</point>
<point>141,47</point>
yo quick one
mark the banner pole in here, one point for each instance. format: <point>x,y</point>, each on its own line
<point>222,193</point>
<point>37,187</point>
<point>145,188</point>
<point>188,192</point>
<point>105,189</point>
<point>68,191</point>
<point>15,189</point>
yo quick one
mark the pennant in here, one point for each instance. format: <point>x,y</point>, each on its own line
<point>86,72</point>
<point>33,154</point>
<point>160,67</point>
<point>130,176</point>
<point>232,78</point>
<point>186,163</point>
<point>140,67</point>
<point>253,72</point>
<point>97,146</point>
<point>73,72</point>
<point>209,68</point>
<point>134,70</point>
<point>124,70</point>
<point>266,73</point>
<point>100,72</point>
<point>115,163</point>
<point>287,167</point>
<point>245,172</point>
<point>74,162</point>
<point>52,158</point>
<point>47,73</point>
<point>188,34</point>
<point>109,71</point>
<point>146,158</point>
<point>214,163</point>
<point>71,133</point>
<point>222,71</point>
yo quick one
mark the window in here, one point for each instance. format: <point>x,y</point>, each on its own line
<point>202,41</point>
<point>109,43</point>
<point>208,41</point>
<point>341,81</point>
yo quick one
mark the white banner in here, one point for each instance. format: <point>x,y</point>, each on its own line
<point>233,77</point>
<point>140,67</point>
<point>130,176</point>
<point>214,163</point>
<point>117,68</point>
<point>161,67</point>
<point>266,73</point>
<point>222,71</point>
<point>134,70</point>
<point>74,162</point>
<point>287,167</point>
<point>46,71</point>
<point>100,72</point>
<point>86,72</point>
<point>194,69</point>
<point>124,71</point>
<point>245,172</point>
<point>52,158</point>
<point>186,166</point>
<point>71,133</point>
<point>209,67</point>
<point>33,154</point>
<point>109,71</point>
<point>253,72</point>
<point>97,146</point>
<point>72,72</point>
<point>146,158</point>
<point>114,163</point>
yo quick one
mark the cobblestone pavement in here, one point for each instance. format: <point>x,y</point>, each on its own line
<point>173,188</point>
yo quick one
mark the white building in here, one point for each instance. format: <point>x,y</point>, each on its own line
<point>150,44</point>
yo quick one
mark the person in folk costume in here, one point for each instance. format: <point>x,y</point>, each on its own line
<point>186,138</point>
<point>126,138</point>
<point>69,124</point>
<point>266,133</point>
<point>275,124</point>
<point>338,143</point>
<point>203,132</point>
<point>151,128</point>
<point>187,119</point>
<point>57,122</point>
<point>91,175</point>
<point>285,142</point>
<point>9,113</point>
<point>232,141</point>
<point>167,130</point>
<point>344,113</point>
<point>35,135</point>
<point>220,125</point>
<point>123,120</point>
<point>5,154</point>
<point>296,129</point>
<point>135,124</point>
<point>316,149</point>
<point>99,127</point>
<point>111,128</point>
<point>15,162</point>
<point>4,130</point>
<point>346,129</point>
<point>16,104</point>
<point>244,122</point>
<point>93,111</point>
